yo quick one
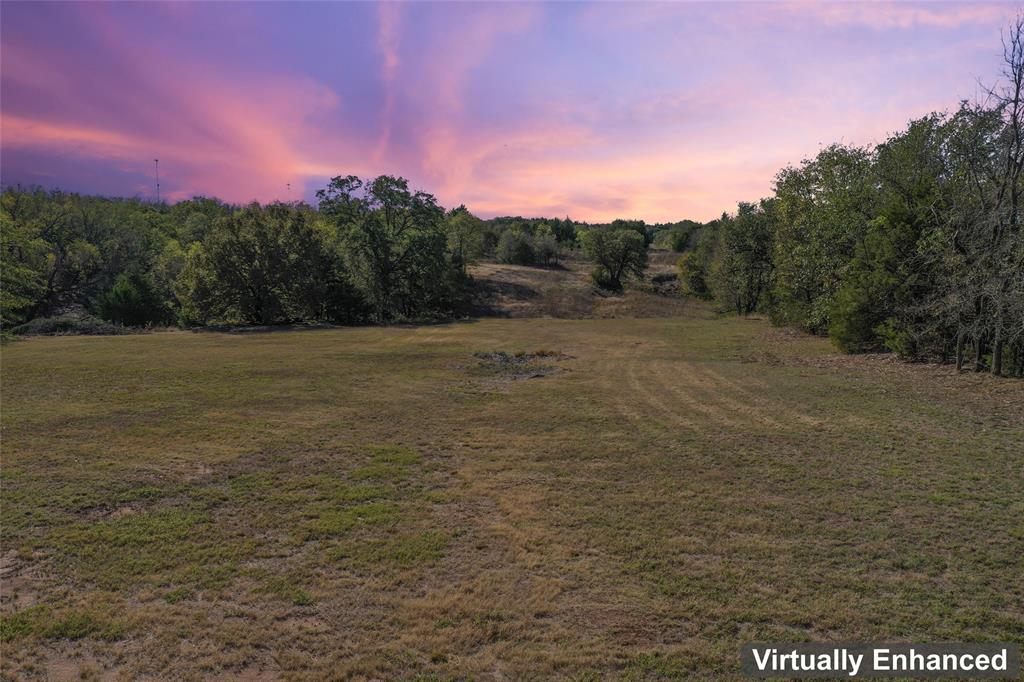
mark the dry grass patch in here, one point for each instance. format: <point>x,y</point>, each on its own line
<point>568,292</point>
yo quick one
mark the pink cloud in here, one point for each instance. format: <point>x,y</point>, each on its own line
<point>387,43</point>
<point>901,15</point>
<point>690,120</point>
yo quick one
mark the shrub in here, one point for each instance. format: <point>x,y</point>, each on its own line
<point>679,239</point>
<point>132,301</point>
<point>515,247</point>
<point>693,275</point>
<point>856,317</point>
<point>70,324</point>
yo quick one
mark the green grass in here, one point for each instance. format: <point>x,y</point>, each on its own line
<point>42,622</point>
<point>368,503</point>
<point>285,588</point>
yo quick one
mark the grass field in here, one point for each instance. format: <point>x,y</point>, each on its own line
<point>380,502</point>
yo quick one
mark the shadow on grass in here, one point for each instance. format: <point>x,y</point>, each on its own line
<point>245,329</point>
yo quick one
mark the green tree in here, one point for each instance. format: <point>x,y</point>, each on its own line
<point>167,266</point>
<point>193,219</point>
<point>679,240</point>
<point>395,244</point>
<point>465,236</point>
<point>545,248</point>
<point>196,288</point>
<point>741,273</point>
<point>695,266</point>
<point>823,211</point>
<point>133,301</point>
<point>564,230</point>
<point>882,299</point>
<point>22,270</point>
<point>618,253</point>
<point>639,226</point>
<point>260,265</point>
<point>515,247</point>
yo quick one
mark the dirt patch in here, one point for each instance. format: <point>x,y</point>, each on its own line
<point>73,666</point>
<point>762,356</point>
<point>520,365</point>
<point>119,512</point>
<point>18,579</point>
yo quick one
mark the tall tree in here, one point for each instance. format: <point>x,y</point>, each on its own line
<point>742,272</point>
<point>882,301</point>
<point>824,207</point>
<point>986,286</point>
<point>465,236</point>
<point>395,243</point>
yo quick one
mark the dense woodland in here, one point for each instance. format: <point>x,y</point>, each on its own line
<point>912,246</point>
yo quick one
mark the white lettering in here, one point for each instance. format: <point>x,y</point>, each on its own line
<point>762,662</point>
<point>855,660</point>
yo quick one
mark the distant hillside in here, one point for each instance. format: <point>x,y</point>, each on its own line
<point>566,291</point>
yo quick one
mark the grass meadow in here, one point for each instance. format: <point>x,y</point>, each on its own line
<point>382,502</point>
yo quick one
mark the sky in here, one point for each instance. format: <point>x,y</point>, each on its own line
<point>657,111</point>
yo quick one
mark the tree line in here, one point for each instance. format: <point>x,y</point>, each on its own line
<point>912,246</point>
<point>370,251</point>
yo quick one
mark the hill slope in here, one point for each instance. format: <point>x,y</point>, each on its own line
<point>566,291</point>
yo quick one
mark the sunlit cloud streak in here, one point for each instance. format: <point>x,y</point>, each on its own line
<point>660,111</point>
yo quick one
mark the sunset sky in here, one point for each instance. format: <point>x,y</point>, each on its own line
<point>596,111</point>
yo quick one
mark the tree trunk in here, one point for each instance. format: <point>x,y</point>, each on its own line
<point>961,339</point>
<point>979,352</point>
<point>997,353</point>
